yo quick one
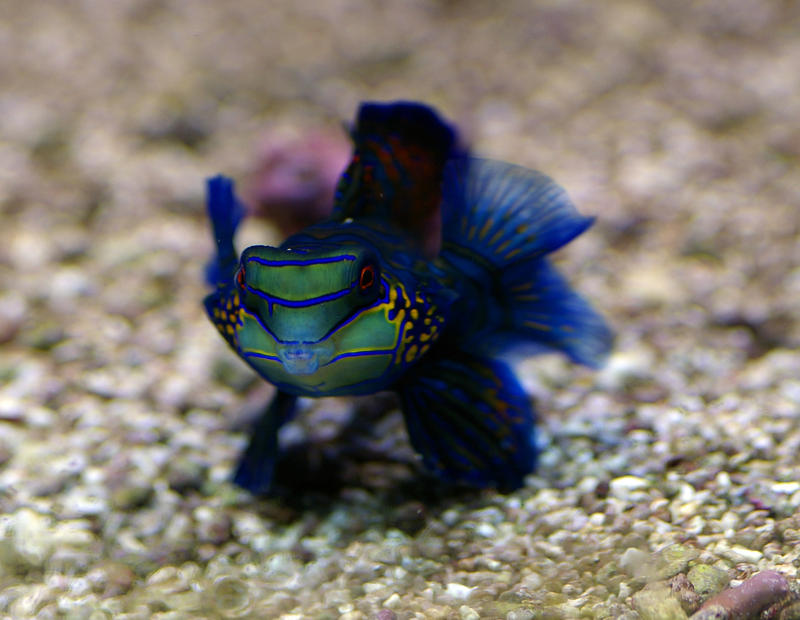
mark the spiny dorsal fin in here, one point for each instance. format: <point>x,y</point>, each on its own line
<point>400,150</point>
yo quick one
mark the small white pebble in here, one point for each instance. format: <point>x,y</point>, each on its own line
<point>81,502</point>
<point>162,575</point>
<point>531,581</point>
<point>627,487</point>
<point>32,536</point>
<point>11,409</point>
<point>392,602</point>
<point>458,591</point>
<point>633,561</point>
<point>587,484</point>
<point>93,476</point>
<point>730,521</point>
<point>785,487</point>
<point>723,480</point>
<point>623,366</point>
<point>687,493</point>
<point>40,417</point>
<point>748,555</point>
<point>492,564</point>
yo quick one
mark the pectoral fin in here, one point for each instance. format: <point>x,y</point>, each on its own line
<point>470,420</point>
<point>225,212</point>
<point>257,465</point>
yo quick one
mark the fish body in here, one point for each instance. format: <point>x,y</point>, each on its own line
<point>431,270</point>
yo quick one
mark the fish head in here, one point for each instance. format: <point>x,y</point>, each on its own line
<point>304,309</point>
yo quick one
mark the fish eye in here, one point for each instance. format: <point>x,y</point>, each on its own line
<point>367,277</point>
<point>240,277</point>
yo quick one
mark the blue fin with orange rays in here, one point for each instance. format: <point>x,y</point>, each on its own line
<point>499,222</point>
<point>400,151</point>
<point>226,213</point>
<point>470,420</point>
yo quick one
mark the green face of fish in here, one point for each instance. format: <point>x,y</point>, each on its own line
<point>317,320</point>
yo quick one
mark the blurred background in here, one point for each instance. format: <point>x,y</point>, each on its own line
<point>674,122</point>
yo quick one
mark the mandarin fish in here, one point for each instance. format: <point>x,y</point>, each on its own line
<point>429,273</point>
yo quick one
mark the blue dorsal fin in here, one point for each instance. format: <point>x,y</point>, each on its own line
<point>506,213</point>
<point>400,151</point>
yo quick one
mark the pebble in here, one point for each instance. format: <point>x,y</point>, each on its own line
<point>737,553</point>
<point>634,562</point>
<point>393,601</point>
<point>131,497</point>
<point>707,580</point>
<point>230,596</point>
<point>212,526</point>
<point>467,613</point>
<point>83,503</point>
<point>185,475</point>
<point>458,591</point>
<point>26,540</point>
<point>115,578</point>
<point>626,487</point>
<point>658,604</point>
<point>624,366</point>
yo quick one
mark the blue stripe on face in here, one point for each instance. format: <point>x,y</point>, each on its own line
<point>355,315</point>
<point>362,354</point>
<point>299,263</point>
<point>299,303</point>
<point>263,356</point>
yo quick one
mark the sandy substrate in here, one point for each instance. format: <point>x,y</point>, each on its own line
<point>666,477</point>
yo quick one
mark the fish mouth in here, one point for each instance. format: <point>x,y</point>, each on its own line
<point>304,358</point>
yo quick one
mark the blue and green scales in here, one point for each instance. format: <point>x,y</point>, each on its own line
<point>430,272</point>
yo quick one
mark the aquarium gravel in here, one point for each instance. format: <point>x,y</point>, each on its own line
<point>666,480</point>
